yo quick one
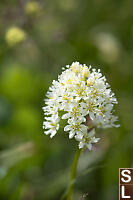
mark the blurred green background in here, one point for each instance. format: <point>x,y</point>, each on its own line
<point>38,38</point>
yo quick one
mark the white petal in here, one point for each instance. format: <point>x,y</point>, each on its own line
<point>81,145</point>
<point>79,137</point>
<point>67,128</point>
<point>92,133</point>
<point>84,128</point>
<point>71,134</point>
<point>89,146</point>
<point>92,115</point>
<point>65,116</point>
<point>53,133</point>
<point>48,132</point>
<point>95,140</point>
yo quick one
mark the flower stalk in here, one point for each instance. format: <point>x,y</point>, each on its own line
<point>73,174</point>
<point>86,101</point>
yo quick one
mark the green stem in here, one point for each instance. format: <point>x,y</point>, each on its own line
<point>73,174</point>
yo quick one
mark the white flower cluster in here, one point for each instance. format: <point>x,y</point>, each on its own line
<point>86,101</point>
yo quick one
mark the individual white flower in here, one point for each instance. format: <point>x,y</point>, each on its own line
<point>88,139</point>
<point>85,99</point>
<point>75,127</point>
<point>75,111</point>
<point>51,124</point>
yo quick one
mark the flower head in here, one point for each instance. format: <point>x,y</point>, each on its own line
<point>86,101</point>
<point>32,8</point>
<point>14,36</point>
